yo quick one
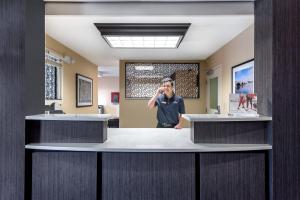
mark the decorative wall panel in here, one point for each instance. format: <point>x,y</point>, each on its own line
<point>143,79</point>
<point>50,81</point>
<point>186,83</point>
<point>53,68</point>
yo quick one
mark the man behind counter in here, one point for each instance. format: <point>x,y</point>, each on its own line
<point>169,106</point>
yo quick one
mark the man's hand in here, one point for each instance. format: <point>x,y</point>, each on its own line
<point>151,102</point>
<point>160,90</point>
<point>178,126</point>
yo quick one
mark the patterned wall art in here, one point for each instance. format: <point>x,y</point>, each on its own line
<point>143,79</point>
<point>50,82</point>
<point>84,91</point>
<point>53,69</point>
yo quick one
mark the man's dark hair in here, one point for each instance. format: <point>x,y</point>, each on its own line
<point>168,79</point>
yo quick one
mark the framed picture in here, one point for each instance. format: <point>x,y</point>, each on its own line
<point>243,78</point>
<point>115,97</point>
<point>84,91</point>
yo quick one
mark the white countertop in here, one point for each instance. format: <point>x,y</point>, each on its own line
<point>72,117</point>
<point>147,140</point>
<point>223,117</point>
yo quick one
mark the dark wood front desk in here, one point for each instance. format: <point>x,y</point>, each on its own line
<point>146,164</point>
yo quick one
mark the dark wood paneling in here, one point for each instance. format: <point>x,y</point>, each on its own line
<point>263,45</point>
<point>148,176</point>
<point>232,176</point>
<point>64,176</point>
<point>34,91</point>
<point>65,131</point>
<point>12,59</point>
<point>113,123</point>
<point>286,95</point>
<point>14,101</point>
<point>263,71</point>
<point>230,132</point>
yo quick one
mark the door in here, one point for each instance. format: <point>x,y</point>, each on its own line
<point>213,90</point>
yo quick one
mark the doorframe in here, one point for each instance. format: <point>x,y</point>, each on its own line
<point>216,73</point>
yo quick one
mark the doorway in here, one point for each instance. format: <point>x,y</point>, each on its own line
<point>213,90</point>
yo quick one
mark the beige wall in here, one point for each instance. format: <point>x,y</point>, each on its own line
<point>106,85</point>
<point>81,66</point>
<point>135,113</point>
<point>238,50</point>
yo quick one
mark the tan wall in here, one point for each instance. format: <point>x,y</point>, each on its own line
<point>106,85</point>
<point>136,114</point>
<point>238,50</point>
<point>81,66</point>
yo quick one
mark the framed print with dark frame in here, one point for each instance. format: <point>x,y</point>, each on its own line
<point>84,91</point>
<point>243,78</point>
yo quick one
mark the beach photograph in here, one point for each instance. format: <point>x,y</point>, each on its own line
<point>243,78</point>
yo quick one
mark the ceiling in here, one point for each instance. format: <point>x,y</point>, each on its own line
<point>206,35</point>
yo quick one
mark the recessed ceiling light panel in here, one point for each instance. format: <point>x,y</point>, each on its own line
<point>143,35</point>
<point>143,42</point>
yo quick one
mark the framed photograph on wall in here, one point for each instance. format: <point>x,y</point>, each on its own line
<point>243,78</point>
<point>84,91</point>
<point>115,97</point>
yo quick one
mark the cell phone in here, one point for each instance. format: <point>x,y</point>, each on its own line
<point>161,92</point>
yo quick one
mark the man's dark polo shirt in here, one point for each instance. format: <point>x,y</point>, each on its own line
<point>168,109</point>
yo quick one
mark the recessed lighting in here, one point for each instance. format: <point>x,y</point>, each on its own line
<point>143,42</point>
<point>143,35</point>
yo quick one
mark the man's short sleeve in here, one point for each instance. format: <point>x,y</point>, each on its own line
<point>181,106</point>
<point>156,102</point>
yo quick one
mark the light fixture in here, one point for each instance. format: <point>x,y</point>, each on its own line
<point>55,57</point>
<point>100,74</point>
<point>143,35</point>
<point>144,68</point>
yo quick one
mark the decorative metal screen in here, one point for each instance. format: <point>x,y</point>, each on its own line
<point>50,81</point>
<point>143,79</point>
<point>53,67</point>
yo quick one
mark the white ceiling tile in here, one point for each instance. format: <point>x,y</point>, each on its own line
<point>206,35</point>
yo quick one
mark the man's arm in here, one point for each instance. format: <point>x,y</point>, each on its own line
<point>181,111</point>
<point>180,123</point>
<point>151,102</point>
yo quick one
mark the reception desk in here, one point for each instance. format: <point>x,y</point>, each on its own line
<point>146,164</point>
<point>224,128</point>
<point>67,128</point>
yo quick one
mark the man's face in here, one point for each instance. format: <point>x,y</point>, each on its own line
<point>168,88</point>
